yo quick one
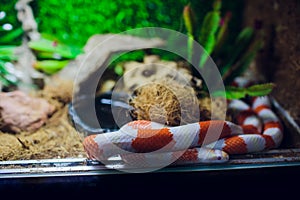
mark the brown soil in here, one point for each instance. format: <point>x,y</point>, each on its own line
<point>56,139</point>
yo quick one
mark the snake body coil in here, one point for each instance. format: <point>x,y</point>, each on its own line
<point>205,142</point>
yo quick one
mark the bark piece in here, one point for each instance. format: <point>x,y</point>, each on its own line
<point>99,49</point>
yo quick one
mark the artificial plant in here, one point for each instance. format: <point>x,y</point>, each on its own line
<point>212,36</point>
<point>52,55</point>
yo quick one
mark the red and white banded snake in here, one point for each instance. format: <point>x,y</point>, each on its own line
<point>234,139</point>
<point>258,129</point>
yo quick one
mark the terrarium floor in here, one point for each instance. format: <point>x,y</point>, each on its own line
<point>57,138</point>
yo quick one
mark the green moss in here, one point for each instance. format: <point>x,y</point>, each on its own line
<point>74,21</point>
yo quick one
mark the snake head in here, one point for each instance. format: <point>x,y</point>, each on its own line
<point>213,156</point>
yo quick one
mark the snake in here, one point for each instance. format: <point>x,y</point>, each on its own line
<point>256,128</point>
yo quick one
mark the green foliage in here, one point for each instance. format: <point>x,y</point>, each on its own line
<point>238,92</point>
<point>50,66</point>
<point>189,18</point>
<point>11,36</point>
<point>7,53</point>
<point>9,40</point>
<point>234,57</point>
<point>7,57</point>
<point>52,48</point>
<point>223,34</point>
<point>14,36</point>
<point>207,37</point>
<point>74,21</point>
<point>212,35</point>
<point>52,55</point>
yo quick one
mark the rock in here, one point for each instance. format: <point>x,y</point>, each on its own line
<point>153,70</point>
<point>20,112</point>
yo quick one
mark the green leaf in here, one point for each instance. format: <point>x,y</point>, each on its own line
<point>10,37</point>
<point>260,89</point>
<point>222,34</point>
<point>232,92</point>
<point>207,37</point>
<point>45,55</point>
<point>52,46</point>
<point>50,66</point>
<point>7,49</point>
<point>189,19</point>
<point>8,52</point>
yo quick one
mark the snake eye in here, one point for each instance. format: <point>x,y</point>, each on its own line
<point>219,158</point>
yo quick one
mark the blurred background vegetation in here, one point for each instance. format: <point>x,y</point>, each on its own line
<point>74,21</point>
<point>66,27</point>
<point>69,24</point>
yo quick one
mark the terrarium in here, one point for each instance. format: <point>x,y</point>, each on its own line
<point>139,87</point>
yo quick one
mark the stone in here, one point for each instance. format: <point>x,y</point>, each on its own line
<point>21,112</point>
